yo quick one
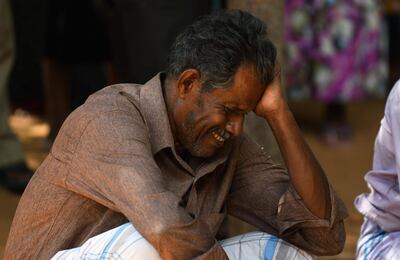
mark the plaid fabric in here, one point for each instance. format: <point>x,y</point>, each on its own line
<point>376,244</point>
<point>260,245</point>
<point>125,242</point>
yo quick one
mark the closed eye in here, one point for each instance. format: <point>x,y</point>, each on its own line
<point>228,110</point>
<point>234,111</point>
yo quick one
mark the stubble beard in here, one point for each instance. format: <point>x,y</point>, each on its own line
<point>189,140</point>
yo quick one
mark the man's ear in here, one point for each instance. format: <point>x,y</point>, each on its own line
<point>188,81</point>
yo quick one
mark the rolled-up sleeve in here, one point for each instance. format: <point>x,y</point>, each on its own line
<point>262,195</point>
<point>113,165</point>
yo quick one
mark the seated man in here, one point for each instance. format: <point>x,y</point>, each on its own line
<point>169,157</point>
<point>380,232</point>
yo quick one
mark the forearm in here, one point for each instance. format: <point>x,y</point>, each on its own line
<point>305,173</point>
<point>166,226</point>
<point>117,170</point>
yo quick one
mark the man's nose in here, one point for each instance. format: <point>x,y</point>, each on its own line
<point>235,125</point>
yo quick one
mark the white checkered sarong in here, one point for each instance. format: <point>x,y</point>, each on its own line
<point>125,242</point>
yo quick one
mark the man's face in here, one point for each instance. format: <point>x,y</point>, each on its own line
<point>207,119</point>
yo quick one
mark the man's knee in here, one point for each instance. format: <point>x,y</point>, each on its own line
<point>123,242</point>
<point>260,245</point>
<point>141,249</point>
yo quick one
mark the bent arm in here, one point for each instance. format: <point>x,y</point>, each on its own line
<point>306,175</point>
<point>263,195</point>
<point>114,166</point>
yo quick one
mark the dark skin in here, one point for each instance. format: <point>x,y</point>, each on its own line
<point>202,122</point>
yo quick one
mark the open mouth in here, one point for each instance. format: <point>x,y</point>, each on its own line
<point>220,135</point>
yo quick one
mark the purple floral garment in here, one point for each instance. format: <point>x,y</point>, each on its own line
<point>334,50</point>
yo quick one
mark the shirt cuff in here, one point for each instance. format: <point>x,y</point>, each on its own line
<point>293,212</point>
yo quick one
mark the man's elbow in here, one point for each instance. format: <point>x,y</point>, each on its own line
<point>333,248</point>
<point>329,241</point>
<point>336,248</point>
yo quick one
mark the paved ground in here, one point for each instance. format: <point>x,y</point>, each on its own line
<point>345,165</point>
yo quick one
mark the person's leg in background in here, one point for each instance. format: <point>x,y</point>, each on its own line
<point>334,54</point>
<point>356,65</point>
<point>57,99</point>
<point>336,127</point>
<point>14,174</point>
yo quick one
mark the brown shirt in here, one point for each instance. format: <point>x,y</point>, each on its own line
<point>114,160</point>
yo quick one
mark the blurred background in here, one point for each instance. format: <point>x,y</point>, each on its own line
<point>340,59</point>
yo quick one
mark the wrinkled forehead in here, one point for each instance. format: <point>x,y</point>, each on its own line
<point>245,90</point>
<point>246,85</point>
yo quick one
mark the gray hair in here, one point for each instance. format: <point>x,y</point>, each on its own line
<point>217,44</point>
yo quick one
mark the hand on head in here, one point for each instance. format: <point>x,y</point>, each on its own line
<point>272,99</point>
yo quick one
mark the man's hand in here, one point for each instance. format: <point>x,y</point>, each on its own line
<point>272,99</point>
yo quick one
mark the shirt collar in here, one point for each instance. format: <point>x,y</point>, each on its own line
<point>154,110</point>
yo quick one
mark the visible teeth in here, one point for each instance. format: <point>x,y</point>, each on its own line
<point>218,137</point>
